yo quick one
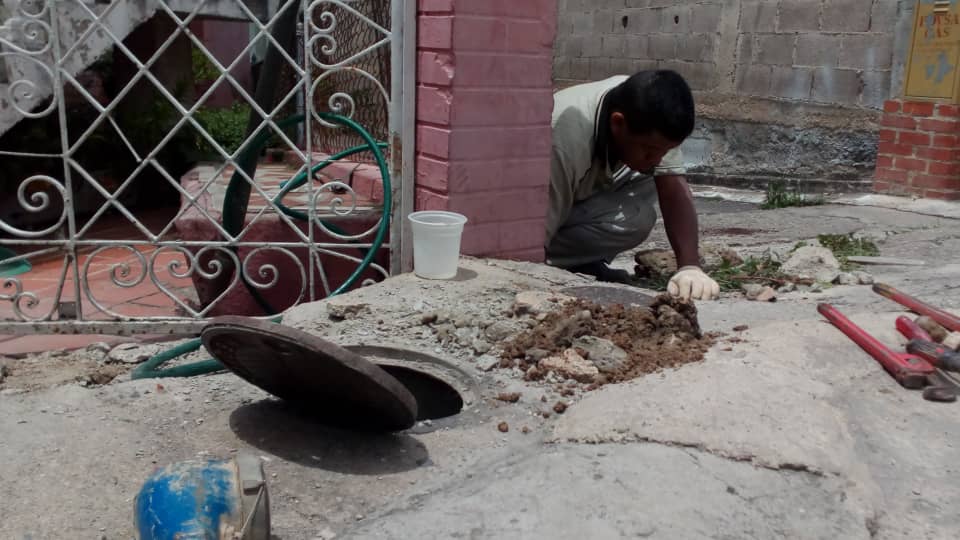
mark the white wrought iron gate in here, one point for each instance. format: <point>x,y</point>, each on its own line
<point>155,177</point>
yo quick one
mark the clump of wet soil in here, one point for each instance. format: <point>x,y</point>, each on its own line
<point>665,335</point>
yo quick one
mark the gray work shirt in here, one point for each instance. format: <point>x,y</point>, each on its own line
<point>576,172</point>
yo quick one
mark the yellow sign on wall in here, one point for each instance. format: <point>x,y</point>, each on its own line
<point>933,70</point>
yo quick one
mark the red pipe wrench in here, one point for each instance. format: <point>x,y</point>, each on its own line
<point>911,371</point>
<point>922,345</point>
<point>947,320</point>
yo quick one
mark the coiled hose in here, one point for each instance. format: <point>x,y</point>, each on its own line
<point>151,368</point>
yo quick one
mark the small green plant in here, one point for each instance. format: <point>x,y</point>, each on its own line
<point>226,126</point>
<point>203,69</point>
<point>844,246</point>
<point>753,269</point>
<point>778,196</point>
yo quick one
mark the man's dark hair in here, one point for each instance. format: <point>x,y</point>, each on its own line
<point>658,101</point>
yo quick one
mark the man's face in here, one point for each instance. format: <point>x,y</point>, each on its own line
<point>639,152</point>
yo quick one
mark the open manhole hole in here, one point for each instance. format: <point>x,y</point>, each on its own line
<point>336,385</point>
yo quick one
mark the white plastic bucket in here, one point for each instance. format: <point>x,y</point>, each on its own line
<point>436,243</point>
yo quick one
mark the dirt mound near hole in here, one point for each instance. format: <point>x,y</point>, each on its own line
<point>665,335</point>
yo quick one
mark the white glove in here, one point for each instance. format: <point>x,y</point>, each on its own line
<point>691,282</point>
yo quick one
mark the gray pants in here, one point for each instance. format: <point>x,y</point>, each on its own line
<point>606,224</point>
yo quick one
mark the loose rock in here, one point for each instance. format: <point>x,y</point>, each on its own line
<point>571,365</point>
<point>863,278</point>
<point>511,397</point>
<point>501,330</point>
<point>539,302</point>
<point>602,353</point>
<point>486,362</point>
<point>752,290</point>
<point>846,278</point>
<point>342,308</point>
<point>503,427</point>
<point>560,407</point>
<point>787,288</point>
<point>767,295</point>
<point>817,263</point>
<point>98,349</point>
<point>481,347</point>
<point>132,353</point>
<point>535,355</point>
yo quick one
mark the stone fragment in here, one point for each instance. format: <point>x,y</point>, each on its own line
<point>767,295</point>
<point>132,353</point>
<point>655,262</point>
<point>787,288</point>
<point>98,350</point>
<point>716,255</point>
<point>539,302</point>
<point>501,330</point>
<point>602,353</point>
<point>863,278</point>
<point>481,346</point>
<point>846,278</point>
<point>752,290</point>
<point>509,397</point>
<point>571,365</point>
<point>342,308</point>
<point>487,362</point>
<point>536,355</point>
<point>816,263</point>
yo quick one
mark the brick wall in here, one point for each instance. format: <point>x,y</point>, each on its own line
<point>919,150</point>
<point>820,51</point>
<point>484,102</point>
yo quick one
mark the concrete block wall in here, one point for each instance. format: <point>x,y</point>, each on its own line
<point>787,90</point>
<point>815,51</point>
<point>484,101</point>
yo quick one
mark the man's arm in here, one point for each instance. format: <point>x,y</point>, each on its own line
<point>679,219</point>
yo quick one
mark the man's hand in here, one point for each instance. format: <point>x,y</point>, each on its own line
<point>692,283</point>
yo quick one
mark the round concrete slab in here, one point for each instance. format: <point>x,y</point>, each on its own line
<point>610,295</point>
<point>332,383</point>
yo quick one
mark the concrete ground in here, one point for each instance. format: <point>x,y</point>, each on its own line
<point>791,432</point>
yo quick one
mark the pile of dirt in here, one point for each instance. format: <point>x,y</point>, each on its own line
<point>666,335</point>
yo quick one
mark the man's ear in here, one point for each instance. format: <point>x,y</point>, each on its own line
<point>618,123</point>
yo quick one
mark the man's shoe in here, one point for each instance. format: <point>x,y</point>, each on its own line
<point>603,272</point>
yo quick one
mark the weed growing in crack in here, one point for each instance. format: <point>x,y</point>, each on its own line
<point>844,246</point>
<point>778,196</point>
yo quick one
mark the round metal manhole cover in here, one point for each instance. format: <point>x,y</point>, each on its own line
<point>335,385</point>
<point>610,295</point>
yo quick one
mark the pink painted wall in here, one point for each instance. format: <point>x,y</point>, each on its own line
<point>225,40</point>
<point>484,101</point>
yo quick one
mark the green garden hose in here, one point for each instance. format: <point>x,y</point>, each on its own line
<point>151,368</point>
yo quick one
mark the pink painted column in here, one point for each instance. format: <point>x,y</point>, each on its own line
<point>484,102</point>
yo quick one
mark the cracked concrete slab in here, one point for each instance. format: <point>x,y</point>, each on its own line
<point>625,491</point>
